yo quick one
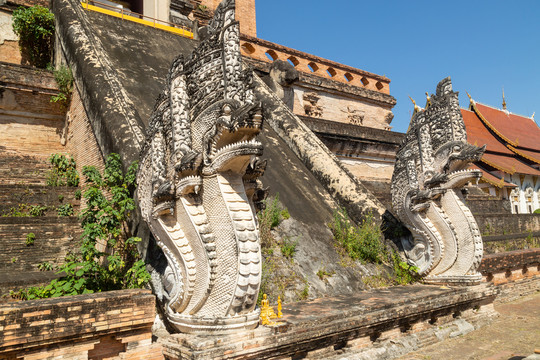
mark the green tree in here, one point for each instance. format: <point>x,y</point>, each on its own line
<point>109,204</point>
<point>35,28</point>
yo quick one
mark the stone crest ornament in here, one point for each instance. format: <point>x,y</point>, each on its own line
<point>431,168</point>
<point>197,179</point>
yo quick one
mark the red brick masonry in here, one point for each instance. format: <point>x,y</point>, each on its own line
<point>112,325</point>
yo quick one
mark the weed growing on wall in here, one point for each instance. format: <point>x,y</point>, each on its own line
<point>45,266</point>
<point>322,273</point>
<point>109,205</point>
<point>37,210</point>
<point>65,210</point>
<point>288,248</point>
<point>64,79</point>
<point>269,218</point>
<point>63,172</point>
<point>30,238</point>
<point>35,28</point>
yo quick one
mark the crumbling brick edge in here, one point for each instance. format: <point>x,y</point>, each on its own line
<point>115,324</point>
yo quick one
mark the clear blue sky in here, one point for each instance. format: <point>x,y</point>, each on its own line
<point>483,45</point>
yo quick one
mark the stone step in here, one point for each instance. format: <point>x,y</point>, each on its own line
<point>24,196</point>
<point>54,238</point>
<point>23,169</point>
<point>16,280</point>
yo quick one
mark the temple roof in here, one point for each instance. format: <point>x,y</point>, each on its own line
<point>478,134</point>
<point>512,142</point>
<point>516,130</point>
<point>508,164</point>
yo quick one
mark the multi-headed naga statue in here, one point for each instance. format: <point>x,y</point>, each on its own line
<point>197,177</point>
<point>431,168</point>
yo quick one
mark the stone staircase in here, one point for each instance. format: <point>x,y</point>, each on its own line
<point>25,264</point>
<point>30,128</point>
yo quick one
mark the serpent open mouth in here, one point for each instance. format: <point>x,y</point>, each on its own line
<point>235,143</point>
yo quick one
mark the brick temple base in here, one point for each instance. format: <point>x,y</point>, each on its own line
<point>382,323</point>
<point>111,325</point>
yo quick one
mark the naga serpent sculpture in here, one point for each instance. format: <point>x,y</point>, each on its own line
<point>197,181</point>
<point>431,168</point>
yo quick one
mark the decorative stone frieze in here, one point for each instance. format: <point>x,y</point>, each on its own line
<point>431,168</point>
<point>197,181</point>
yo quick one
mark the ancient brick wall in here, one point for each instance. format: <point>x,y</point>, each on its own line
<point>31,128</point>
<point>81,141</point>
<point>499,224</point>
<point>9,42</point>
<point>110,325</point>
<point>30,124</point>
<point>515,273</point>
<point>245,13</point>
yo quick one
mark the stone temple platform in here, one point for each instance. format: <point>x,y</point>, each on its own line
<point>382,324</point>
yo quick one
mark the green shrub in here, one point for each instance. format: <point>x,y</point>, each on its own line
<point>363,243</point>
<point>303,295</point>
<point>65,210</point>
<point>403,272</point>
<point>104,221</point>
<point>60,198</point>
<point>35,28</point>
<point>537,211</point>
<point>30,238</point>
<point>64,171</point>
<point>269,218</point>
<point>288,248</point>
<point>78,194</point>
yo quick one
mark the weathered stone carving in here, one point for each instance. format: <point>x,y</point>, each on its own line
<point>197,178</point>
<point>431,168</point>
<point>354,116</point>
<point>312,108</point>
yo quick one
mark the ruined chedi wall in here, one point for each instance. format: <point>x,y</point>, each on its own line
<point>326,89</point>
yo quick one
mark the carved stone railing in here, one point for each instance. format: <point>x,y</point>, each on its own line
<point>267,52</point>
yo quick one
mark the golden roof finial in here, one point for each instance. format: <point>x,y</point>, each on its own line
<point>416,107</point>
<point>428,100</point>
<point>504,100</point>
<point>532,116</point>
<point>471,101</point>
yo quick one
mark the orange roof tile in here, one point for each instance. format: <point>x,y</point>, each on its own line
<point>478,134</point>
<point>518,130</point>
<point>508,164</point>
<point>529,155</point>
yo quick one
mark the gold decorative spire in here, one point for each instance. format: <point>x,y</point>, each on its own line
<point>416,107</point>
<point>428,100</point>
<point>504,101</point>
<point>471,101</point>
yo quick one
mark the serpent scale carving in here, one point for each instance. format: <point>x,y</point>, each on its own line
<point>197,178</point>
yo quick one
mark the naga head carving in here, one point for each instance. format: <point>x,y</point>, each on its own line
<point>198,181</point>
<point>431,168</point>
